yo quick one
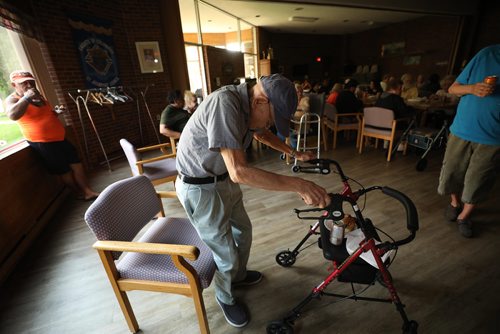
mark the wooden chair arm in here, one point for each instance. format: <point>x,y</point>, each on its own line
<point>337,116</point>
<point>186,251</point>
<point>358,116</point>
<point>328,123</point>
<point>355,114</point>
<point>158,158</point>
<point>153,147</point>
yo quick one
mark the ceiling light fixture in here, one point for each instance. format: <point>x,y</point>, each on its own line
<point>302,19</point>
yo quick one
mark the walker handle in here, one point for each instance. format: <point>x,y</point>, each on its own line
<point>411,211</point>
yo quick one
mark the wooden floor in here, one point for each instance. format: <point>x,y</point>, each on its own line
<point>449,284</point>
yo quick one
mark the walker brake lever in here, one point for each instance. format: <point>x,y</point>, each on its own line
<point>387,246</point>
<point>298,212</point>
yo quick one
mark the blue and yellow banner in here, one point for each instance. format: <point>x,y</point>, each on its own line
<point>94,40</point>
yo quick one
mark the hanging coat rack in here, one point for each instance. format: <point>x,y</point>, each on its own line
<point>140,92</point>
<point>110,96</point>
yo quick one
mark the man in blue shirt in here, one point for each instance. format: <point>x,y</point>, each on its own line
<point>472,157</point>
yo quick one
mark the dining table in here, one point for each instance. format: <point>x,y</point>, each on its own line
<point>425,106</point>
<point>369,100</point>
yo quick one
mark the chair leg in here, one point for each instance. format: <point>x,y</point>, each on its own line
<point>361,144</point>
<point>199,305</point>
<point>335,138</point>
<point>324,129</point>
<point>196,291</point>
<point>391,142</point>
<point>127,311</point>
<point>358,135</point>
<point>121,296</point>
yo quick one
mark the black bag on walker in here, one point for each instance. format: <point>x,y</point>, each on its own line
<point>359,271</point>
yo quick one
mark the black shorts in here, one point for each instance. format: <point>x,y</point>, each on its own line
<point>57,156</point>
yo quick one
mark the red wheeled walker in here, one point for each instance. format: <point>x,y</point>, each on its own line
<point>350,267</point>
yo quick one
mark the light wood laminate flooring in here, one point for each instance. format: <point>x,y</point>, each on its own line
<point>449,284</point>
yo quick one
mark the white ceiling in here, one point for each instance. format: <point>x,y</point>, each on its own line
<point>275,16</point>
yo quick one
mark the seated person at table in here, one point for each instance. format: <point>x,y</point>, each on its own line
<point>190,101</point>
<point>374,88</point>
<point>409,89</point>
<point>443,92</point>
<point>334,93</point>
<point>324,86</point>
<point>430,86</point>
<point>316,86</point>
<point>347,102</point>
<point>174,117</point>
<point>306,85</point>
<point>420,82</point>
<point>384,81</point>
<point>391,99</point>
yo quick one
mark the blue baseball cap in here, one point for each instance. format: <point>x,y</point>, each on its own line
<point>281,93</point>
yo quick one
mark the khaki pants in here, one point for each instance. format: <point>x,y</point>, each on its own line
<point>469,168</point>
<point>216,211</point>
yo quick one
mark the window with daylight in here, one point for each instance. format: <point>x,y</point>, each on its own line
<point>204,24</point>
<point>10,134</point>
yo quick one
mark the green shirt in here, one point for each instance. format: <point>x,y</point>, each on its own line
<point>174,118</point>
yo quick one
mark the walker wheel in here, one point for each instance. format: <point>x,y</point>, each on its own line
<point>282,156</point>
<point>285,258</point>
<point>295,169</point>
<point>411,328</point>
<point>421,164</point>
<point>325,171</point>
<point>279,327</point>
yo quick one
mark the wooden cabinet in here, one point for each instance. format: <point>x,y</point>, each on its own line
<point>28,199</point>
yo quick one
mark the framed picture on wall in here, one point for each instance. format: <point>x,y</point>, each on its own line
<point>392,49</point>
<point>412,60</point>
<point>149,57</point>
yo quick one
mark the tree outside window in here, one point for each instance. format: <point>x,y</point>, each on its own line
<point>9,61</point>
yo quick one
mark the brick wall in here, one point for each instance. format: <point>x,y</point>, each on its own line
<point>132,21</point>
